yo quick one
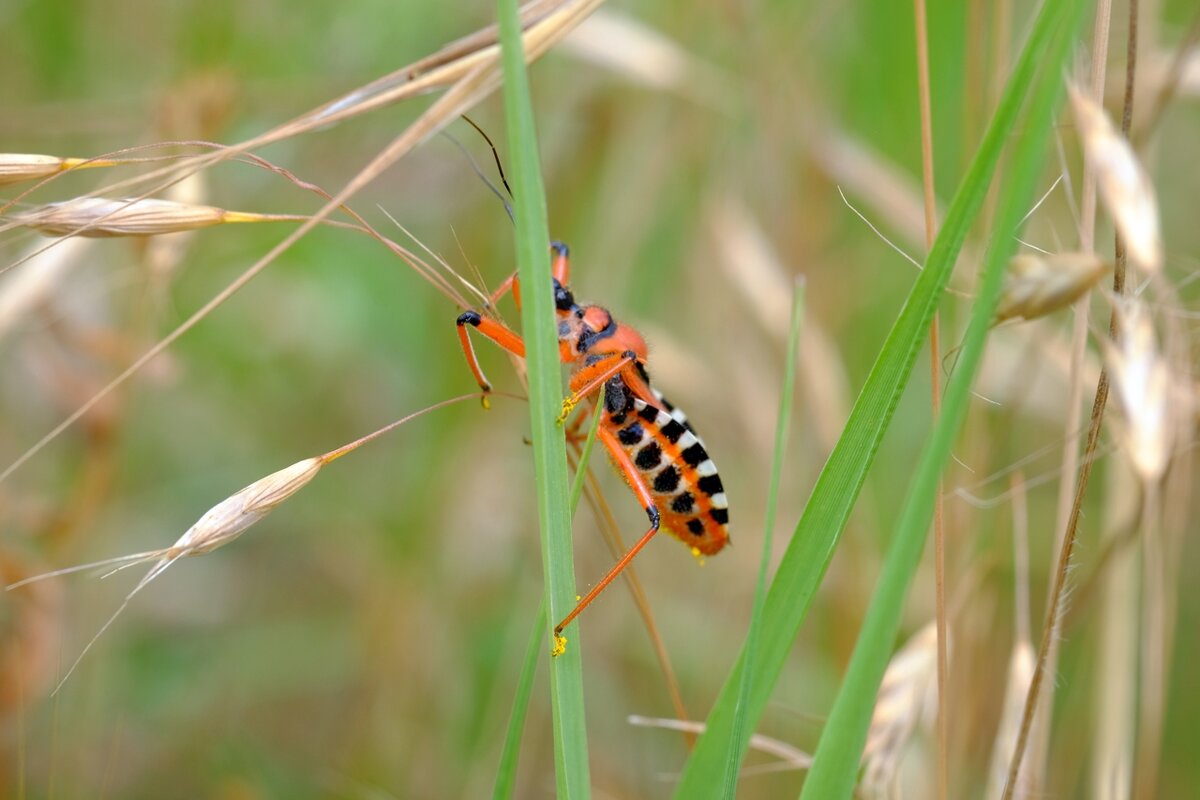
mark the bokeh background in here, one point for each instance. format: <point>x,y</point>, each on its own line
<point>365,639</point>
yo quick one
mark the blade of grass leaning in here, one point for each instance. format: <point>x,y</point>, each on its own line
<point>545,401</point>
<point>734,762</point>
<point>836,490</point>
<point>506,773</point>
<point>835,763</point>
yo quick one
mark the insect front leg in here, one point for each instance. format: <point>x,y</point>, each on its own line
<point>493,330</point>
<point>623,462</point>
<point>590,378</point>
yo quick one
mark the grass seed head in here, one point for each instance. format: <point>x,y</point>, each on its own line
<point>105,217</point>
<point>19,167</point>
<point>1124,185</point>
<point>1143,381</point>
<point>1038,284</point>
<point>906,696</point>
<point>225,521</point>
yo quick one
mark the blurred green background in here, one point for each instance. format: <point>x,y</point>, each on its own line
<point>364,640</point>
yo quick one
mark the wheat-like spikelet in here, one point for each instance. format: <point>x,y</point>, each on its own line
<point>220,525</point>
<point>20,167</point>
<point>907,695</point>
<point>1037,284</point>
<point>105,217</point>
<point>1125,188</point>
<point>1143,382</point>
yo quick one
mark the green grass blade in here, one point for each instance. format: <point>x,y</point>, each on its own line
<point>837,488</point>
<point>506,773</point>
<point>545,402</point>
<point>734,761</point>
<point>836,761</point>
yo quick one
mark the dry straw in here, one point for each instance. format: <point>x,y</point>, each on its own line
<point>1125,188</point>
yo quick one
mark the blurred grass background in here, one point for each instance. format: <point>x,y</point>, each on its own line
<point>365,639</point>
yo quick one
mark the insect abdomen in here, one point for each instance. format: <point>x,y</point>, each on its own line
<point>678,471</point>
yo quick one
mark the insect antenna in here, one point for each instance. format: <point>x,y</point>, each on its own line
<point>495,153</point>
<point>478,171</point>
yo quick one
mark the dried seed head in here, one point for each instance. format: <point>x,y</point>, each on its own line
<point>1038,284</point>
<point>225,521</point>
<point>124,217</point>
<point>1124,185</point>
<point>907,695</point>
<point>220,525</point>
<point>18,167</point>
<point>1143,381</point>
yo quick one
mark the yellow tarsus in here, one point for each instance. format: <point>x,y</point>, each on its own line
<point>560,646</point>
<point>568,406</point>
<point>698,556</point>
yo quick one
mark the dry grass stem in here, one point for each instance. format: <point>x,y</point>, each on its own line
<point>1037,285</point>
<point>907,695</point>
<point>645,56</point>
<point>1124,185</point>
<point>794,757</point>
<point>1020,673</point>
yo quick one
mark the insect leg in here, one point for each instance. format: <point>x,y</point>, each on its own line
<point>643,493</point>
<point>492,330</point>
<point>560,268</point>
<point>591,378</point>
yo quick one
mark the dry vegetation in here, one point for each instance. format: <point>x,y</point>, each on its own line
<point>366,638</point>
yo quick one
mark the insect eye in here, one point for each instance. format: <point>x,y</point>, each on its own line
<point>579,313</point>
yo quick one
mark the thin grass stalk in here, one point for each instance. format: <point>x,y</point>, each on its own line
<point>935,398</point>
<point>1079,335</point>
<point>835,762</point>
<point>1054,603</point>
<point>506,772</point>
<point>545,401</point>
<point>786,393</point>
<point>833,497</point>
<point>1115,694</point>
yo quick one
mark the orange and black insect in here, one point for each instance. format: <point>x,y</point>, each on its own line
<point>650,441</point>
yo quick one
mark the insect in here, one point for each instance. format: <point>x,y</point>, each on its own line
<point>650,442</point>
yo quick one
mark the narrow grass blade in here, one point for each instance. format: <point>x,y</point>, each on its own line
<point>835,763</point>
<point>837,488</point>
<point>506,774</point>
<point>734,761</point>
<point>545,401</point>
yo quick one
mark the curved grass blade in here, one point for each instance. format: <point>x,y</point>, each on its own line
<point>545,399</point>
<point>835,763</point>
<point>833,497</point>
